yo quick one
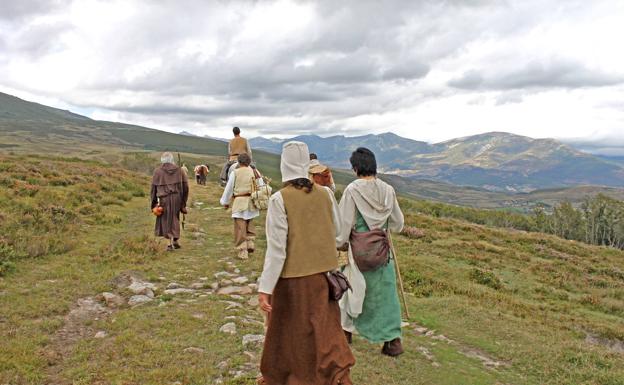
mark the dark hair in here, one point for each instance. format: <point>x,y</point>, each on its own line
<point>363,162</point>
<point>244,159</point>
<point>236,131</point>
<point>300,183</point>
<point>313,156</point>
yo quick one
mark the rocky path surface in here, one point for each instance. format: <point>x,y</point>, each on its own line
<point>191,317</point>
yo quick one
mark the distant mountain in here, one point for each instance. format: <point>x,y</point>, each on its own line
<point>335,150</point>
<point>30,127</point>
<point>614,159</point>
<point>186,133</point>
<point>495,161</point>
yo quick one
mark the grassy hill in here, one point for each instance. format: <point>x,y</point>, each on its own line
<point>489,306</point>
<point>31,128</point>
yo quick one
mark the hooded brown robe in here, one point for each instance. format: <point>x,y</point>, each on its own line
<point>170,190</point>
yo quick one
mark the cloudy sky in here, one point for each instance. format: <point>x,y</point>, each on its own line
<point>429,70</point>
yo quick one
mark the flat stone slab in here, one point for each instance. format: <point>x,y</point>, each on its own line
<point>138,300</point>
<point>230,290</point>
<point>228,328</point>
<point>179,291</point>
<point>253,340</point>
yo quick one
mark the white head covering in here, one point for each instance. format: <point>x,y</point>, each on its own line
<point>295,161</point>
<point>167,157</point>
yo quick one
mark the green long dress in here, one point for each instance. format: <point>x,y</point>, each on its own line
<point>380,320</point>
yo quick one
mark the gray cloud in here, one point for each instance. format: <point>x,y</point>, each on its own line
<point>211,62</point>
<point>40,40</point>
<point>15,10</point>
<point>556,73</point>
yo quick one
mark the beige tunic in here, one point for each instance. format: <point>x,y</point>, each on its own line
<point>243,185</point>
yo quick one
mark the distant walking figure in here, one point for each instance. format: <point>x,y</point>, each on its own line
<point>237,195</point>
<point>304,340</point>
<point>201,173</point>
<point>369,209</point>
<point>169,191</point>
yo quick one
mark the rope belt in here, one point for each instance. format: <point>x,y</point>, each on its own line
<point>242,195</point>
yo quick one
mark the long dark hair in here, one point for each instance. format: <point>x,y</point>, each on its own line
<point>300,183</point>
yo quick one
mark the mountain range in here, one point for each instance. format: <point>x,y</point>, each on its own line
<point>495,161</point>
<point>27,127</point>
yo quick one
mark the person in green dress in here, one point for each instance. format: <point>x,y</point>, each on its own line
<point>372,309</point>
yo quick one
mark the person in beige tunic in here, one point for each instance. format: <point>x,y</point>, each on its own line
<point>304,342</point>
<point>237,196</point>
<point>238,145</point>
<point>170,191</point>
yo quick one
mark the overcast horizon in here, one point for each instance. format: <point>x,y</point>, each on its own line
<point>426,70</point>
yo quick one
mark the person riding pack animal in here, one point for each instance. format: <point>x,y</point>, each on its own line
<point>238,145</point>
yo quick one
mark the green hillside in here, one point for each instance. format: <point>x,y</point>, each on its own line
<point>28,128</point>
<point>488,306</point>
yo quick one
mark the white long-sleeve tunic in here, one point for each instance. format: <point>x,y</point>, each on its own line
<point>226,198</point>
<point>277,237</point>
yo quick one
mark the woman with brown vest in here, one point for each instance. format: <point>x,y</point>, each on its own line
<point>304,342</point>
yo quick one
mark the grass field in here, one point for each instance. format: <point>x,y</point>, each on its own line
<point>488,306</point>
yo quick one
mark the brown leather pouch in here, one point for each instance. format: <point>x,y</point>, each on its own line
<point>370,249</point>
<point>338,284</point>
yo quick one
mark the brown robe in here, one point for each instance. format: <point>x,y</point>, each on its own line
<point>170,188</point>
<point>305,344</point>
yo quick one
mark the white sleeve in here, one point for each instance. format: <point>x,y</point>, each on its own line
<point>249,149</point>
<point>226,198</point>
<point>276,236</point>
<point>335,215</point>
<point>396,220</point>
<point>346,212</point>
<point>232,169</point>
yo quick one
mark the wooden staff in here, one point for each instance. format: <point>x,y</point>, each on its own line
<point>399,279</point>
<point>181,187</point>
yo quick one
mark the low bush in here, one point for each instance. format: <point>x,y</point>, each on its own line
<point>486,278</point>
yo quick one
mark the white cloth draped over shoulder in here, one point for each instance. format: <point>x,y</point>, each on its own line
<point>377,203</point>
<point>277,237</point>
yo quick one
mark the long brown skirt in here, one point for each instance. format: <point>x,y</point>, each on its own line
<point>168,224</point>
<point>305,344</point>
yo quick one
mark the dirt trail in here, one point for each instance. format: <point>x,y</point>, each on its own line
<point>198,307</point>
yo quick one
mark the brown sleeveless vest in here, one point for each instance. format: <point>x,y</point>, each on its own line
<point>311,246</point>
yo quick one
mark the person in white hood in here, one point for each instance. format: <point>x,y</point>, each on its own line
<point>304,341</point>
<point>373,308</point>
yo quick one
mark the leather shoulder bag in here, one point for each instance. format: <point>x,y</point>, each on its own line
<point>370,249</point>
